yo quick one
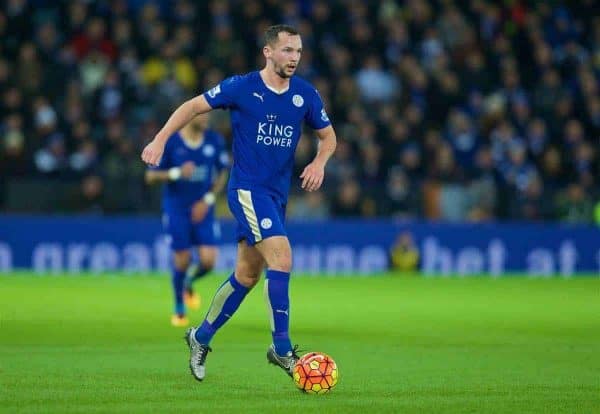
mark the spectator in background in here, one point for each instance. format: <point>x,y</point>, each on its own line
<point>51,160</point>
<point>483,189</point>
<point>88,197</point>
<point>342,167</point>
<point>347,202</point>
<point>517,171</point>
<point>85,158</point>
<point>548,92</point>
<point>170,65</point>
<point>94,40</point>
<point>537,138</point>
<point>92,71</point>
<point>29,70</point>
<point>109,97</point>
<point>529,203</point>
<point>404,254</point>
<point>374,83</point>
<point>120,163</point>
<point>585,169</point>
<point>402,197</point>
<point>452,197</point>
<point>222,45</point>
<point>312,207</point>
<point>593,114</point>
<point>11,134</point>
<point>463,139</point>
<point>574,205</point>
<point>13,101</point>
<point>14,159</point>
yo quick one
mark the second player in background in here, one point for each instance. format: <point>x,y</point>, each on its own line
<point>194,167</point>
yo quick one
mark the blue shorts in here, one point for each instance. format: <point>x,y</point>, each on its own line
<point>185,234</point>
<point>258,215</point>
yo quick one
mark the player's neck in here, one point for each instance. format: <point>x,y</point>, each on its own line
<point>273,81</point>
<point>192,139</point>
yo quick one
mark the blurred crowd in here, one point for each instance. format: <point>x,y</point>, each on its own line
<point>449,109</point>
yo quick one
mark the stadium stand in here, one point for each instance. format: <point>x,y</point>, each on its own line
<point>455,110</point>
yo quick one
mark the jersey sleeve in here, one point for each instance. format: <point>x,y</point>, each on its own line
<point>225,94</point>
<point>316,117</point>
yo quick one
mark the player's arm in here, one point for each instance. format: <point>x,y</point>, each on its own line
<point>200,208</point>
<point>220,182</point>
<point>178,119</point>
<point>172,174</point>
<point>313,174</point>
<point>156,176</point>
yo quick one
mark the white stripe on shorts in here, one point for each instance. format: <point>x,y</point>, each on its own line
<point>245,199</point>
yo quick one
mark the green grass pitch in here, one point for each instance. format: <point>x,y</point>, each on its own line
<point>103,344</point>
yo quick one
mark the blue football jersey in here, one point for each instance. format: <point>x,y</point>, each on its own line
<point>266,127</point>
<point>210,158</point>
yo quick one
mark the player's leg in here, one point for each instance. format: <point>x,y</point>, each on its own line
<point>265,216</point>
<point>225,302</point>
<point>277,253</point>
<point>232,292</point>
<point>207,256</point>
<point>205,236</point>
<point>178,227</point>
<point>181,261</point>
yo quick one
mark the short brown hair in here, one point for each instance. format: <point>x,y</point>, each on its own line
<point>272,33</point>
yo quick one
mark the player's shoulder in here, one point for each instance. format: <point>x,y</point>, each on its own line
<point>240,80</point>
<point>304,84</point>
<point>173,141</point>
<point>304,87</point>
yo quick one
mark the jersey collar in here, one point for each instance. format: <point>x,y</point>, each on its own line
<point>191,145</point>
<point>277,92</point>
<point>272,89</point>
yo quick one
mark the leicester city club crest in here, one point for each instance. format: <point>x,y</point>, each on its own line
<point>298,100</point>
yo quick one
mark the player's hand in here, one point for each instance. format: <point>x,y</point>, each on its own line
<point>152,152</point>
<point>187,169</point>
<point>312,176</point>
<point>199,210</point>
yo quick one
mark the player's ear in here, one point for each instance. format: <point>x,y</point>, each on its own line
<point>267,51</point>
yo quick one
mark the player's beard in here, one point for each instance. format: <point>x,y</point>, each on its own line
<point>280,71</point>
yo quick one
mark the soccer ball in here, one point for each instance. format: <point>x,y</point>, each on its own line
<point>315,373</point>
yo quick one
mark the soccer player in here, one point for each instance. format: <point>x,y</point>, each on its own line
<point>194,166</point>
<point>267,109</point>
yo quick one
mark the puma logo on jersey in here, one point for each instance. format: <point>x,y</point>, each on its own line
<point>259,96</point>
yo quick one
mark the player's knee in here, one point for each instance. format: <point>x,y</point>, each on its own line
<point>277,253</point>
<point>181,260</point>
<point>209,266</point>
<point>208,262</point>
<point>247,274</point>
<point>208,257</point>
<point>282,263</point>
<point>247,280</point>
<point>280,259</point>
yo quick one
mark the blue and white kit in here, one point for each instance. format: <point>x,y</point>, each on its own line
<point>210,157</point>
<point>266,129</point>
